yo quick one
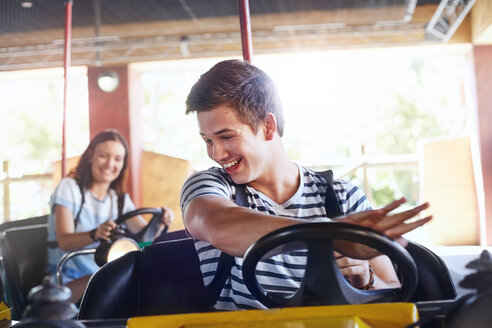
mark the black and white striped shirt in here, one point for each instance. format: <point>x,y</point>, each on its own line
<point>281,272</point>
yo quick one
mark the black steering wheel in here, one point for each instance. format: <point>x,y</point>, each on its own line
<point>323,284</point>
<point>148,233</point>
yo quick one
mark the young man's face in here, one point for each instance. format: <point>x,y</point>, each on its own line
<point>233,144</point>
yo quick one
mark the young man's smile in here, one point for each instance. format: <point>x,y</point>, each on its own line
<point>232,167</point>
<point>231,143</point>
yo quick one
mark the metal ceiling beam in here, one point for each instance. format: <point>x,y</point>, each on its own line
<point>113,50</point>
<point>447,18</point>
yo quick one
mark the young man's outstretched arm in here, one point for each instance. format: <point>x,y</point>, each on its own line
<point>233,229</point>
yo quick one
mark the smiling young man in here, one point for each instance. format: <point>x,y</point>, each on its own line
<point>241,122</point>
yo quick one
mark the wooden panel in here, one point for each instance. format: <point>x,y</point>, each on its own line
<point>162,179</point>
<point>447,182</point>
<point>71,163</point>
<point>463,33</point>
<point>481,17</point>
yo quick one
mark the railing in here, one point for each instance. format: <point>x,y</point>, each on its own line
<point>7,179</point>
<point>346,168</point>
<point>341,168</point>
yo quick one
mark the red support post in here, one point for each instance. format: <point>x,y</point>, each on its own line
<point>244,21</point>
<point>482,62</point>
<point>66,66</point>
<point>120,109</point>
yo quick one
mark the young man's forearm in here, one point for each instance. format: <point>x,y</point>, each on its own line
<point>232,229</point>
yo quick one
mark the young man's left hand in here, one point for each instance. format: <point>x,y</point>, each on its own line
<point>356,271</point>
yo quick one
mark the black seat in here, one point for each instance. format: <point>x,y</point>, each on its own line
<point>162,278</point>
<point>43,219</point>
<point>435,282</point>
<point>24,255</point>
<point>435,293</point>
<point>173,235</point>
<point>165,278</point>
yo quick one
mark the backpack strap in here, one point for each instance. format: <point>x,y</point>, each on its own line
<point>332,207</point>
<point>226,262</point>
<point>121,204</point>
<point>82,201</point>
<point>54,243</point>
<point>212,291</point>
<point>241,196</point>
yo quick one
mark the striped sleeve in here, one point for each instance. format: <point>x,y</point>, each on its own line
<point>350,197</point>
<point>203,183</point>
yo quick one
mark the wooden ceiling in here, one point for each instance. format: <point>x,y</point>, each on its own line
<point>109,32</point>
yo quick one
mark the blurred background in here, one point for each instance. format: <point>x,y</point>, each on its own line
<point>386,93</point>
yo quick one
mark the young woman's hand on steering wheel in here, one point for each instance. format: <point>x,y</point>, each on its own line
<point>104,230</point>
<point>168,216</point>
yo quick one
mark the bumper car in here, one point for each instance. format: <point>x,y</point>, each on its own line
<point>24,245</point>
<point>161,286</point>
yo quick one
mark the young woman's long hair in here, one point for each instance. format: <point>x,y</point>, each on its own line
<point>83,172</point>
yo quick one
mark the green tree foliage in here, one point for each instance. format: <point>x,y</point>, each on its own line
<point>413,115</point>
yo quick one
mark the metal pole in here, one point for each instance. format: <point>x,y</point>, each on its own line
<point>6,192</point>
<point>68,41</point>
<point>245,24</point>
<point>67,256</point>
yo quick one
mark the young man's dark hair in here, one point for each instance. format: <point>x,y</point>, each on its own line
<point>241,86</point>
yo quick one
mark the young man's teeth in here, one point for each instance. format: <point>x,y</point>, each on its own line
<point>228,165</point>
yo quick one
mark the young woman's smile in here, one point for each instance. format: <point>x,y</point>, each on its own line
<point>107,161</point>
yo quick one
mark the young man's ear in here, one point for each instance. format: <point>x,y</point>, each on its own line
<point>270,126</point>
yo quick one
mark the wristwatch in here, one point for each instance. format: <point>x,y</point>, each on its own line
<point>370,284</point>
<point>92,234</point>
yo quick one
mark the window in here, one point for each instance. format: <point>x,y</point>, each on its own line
<point>30,134</point>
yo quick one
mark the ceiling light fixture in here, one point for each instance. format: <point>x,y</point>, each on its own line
<point>26,4</point>
<point>108,81</point>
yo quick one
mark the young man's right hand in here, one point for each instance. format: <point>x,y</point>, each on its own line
<point>391,225</point>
